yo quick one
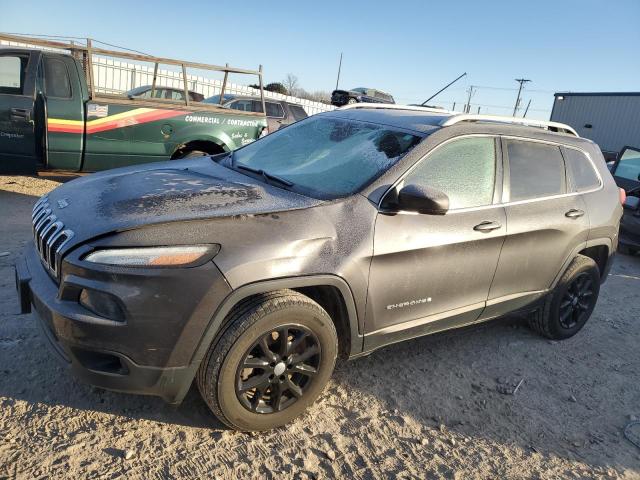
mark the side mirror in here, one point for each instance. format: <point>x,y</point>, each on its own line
<point>416,198</point>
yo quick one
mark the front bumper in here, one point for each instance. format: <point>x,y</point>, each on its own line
<point>139,354</point>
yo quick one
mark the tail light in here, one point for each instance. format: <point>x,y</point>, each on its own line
<point>623,196</point>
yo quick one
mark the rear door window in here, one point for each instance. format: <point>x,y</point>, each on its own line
<point>243,105</point>
<point>536,170</point>
<point>175,95</point>
<point>56,77</point>
<point>464,169</point>
<point>582,175</point>
<point>12,70</point>
<point>298,112</point>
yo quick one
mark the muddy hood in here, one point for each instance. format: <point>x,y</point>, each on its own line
<point>128,198</point>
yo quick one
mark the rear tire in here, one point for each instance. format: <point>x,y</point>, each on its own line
<point>571,303</point>
<point>351,101</point>
<point>191,154</point>
<point>253,380</point>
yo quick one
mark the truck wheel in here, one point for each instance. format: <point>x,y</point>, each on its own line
<point>270,363</point>
<point>571,303</point>
<point>351,101</point>
<point>191,154</point>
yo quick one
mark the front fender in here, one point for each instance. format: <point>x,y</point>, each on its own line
<point>214,327</point>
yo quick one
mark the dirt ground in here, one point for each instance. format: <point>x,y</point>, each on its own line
<point>435,407</point>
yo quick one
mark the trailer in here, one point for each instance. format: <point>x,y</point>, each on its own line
<point>611,119</point>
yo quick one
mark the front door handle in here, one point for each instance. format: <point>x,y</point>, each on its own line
<point>487,226</point>
<point>574,213</point>
<point>20,114</point>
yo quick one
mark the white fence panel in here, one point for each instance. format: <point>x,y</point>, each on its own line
<point>114,76</point>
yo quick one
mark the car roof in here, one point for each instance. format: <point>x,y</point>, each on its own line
<point>426,119</point>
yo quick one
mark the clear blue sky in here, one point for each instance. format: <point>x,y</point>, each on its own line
<point>408,48</point>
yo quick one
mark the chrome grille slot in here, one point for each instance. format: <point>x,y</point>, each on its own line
<point>49,235</point>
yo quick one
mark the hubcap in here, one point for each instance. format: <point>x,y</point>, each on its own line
<point>278,369</point>
<point>577,301</point>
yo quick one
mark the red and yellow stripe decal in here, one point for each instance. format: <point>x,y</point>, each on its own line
<point>136,116</point>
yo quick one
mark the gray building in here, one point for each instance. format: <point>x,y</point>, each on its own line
<point>612,120</point>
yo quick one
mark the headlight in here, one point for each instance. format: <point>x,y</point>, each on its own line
<point>154,256</point>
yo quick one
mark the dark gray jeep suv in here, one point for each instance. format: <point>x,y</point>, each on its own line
<point>252,271</point>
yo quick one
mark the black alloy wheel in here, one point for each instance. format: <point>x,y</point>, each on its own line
<point>569,305</point>
<point>278,369</point>
<point>577,301</point>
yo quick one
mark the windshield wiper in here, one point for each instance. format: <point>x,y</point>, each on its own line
<point>266,175</point>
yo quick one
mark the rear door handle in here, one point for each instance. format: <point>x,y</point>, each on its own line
<point>487,226</point>
<point>574,213</point>
<point>20,114</point>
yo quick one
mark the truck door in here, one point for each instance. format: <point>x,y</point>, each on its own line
<point>18,152</point>
<point>63,97</point>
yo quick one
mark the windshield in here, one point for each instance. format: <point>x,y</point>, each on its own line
<point>328,157</point>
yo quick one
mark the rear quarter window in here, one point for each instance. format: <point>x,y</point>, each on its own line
<point>580,170</point>
<point>536,170</point>
<point>298,112</point>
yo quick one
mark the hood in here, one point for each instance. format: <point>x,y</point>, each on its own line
<point>128,198</point>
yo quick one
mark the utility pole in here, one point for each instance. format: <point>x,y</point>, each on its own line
<point>521,81</point>
<point>467,107</point>
<point>526,109</point>
<point>339,68</point>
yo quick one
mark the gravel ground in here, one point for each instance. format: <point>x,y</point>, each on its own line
<point>437,407</point>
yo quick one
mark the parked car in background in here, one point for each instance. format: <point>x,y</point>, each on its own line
<point>163,92</point>
<point>360,95</point>
<point>280,113</point>
<point>626,173</point>
<point>251,271</point>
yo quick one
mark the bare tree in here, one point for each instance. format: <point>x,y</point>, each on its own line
<point>291,83</point>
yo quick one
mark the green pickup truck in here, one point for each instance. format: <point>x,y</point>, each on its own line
<point>52,116</point>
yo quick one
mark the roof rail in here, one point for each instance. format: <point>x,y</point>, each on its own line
<point>467,117</point>
<point>393,106</point>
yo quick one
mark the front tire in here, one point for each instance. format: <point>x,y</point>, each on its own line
<point>571,303</point>
<point>273,360</point>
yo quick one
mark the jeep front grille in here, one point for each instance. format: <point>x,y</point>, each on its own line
<point>49,235</point>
